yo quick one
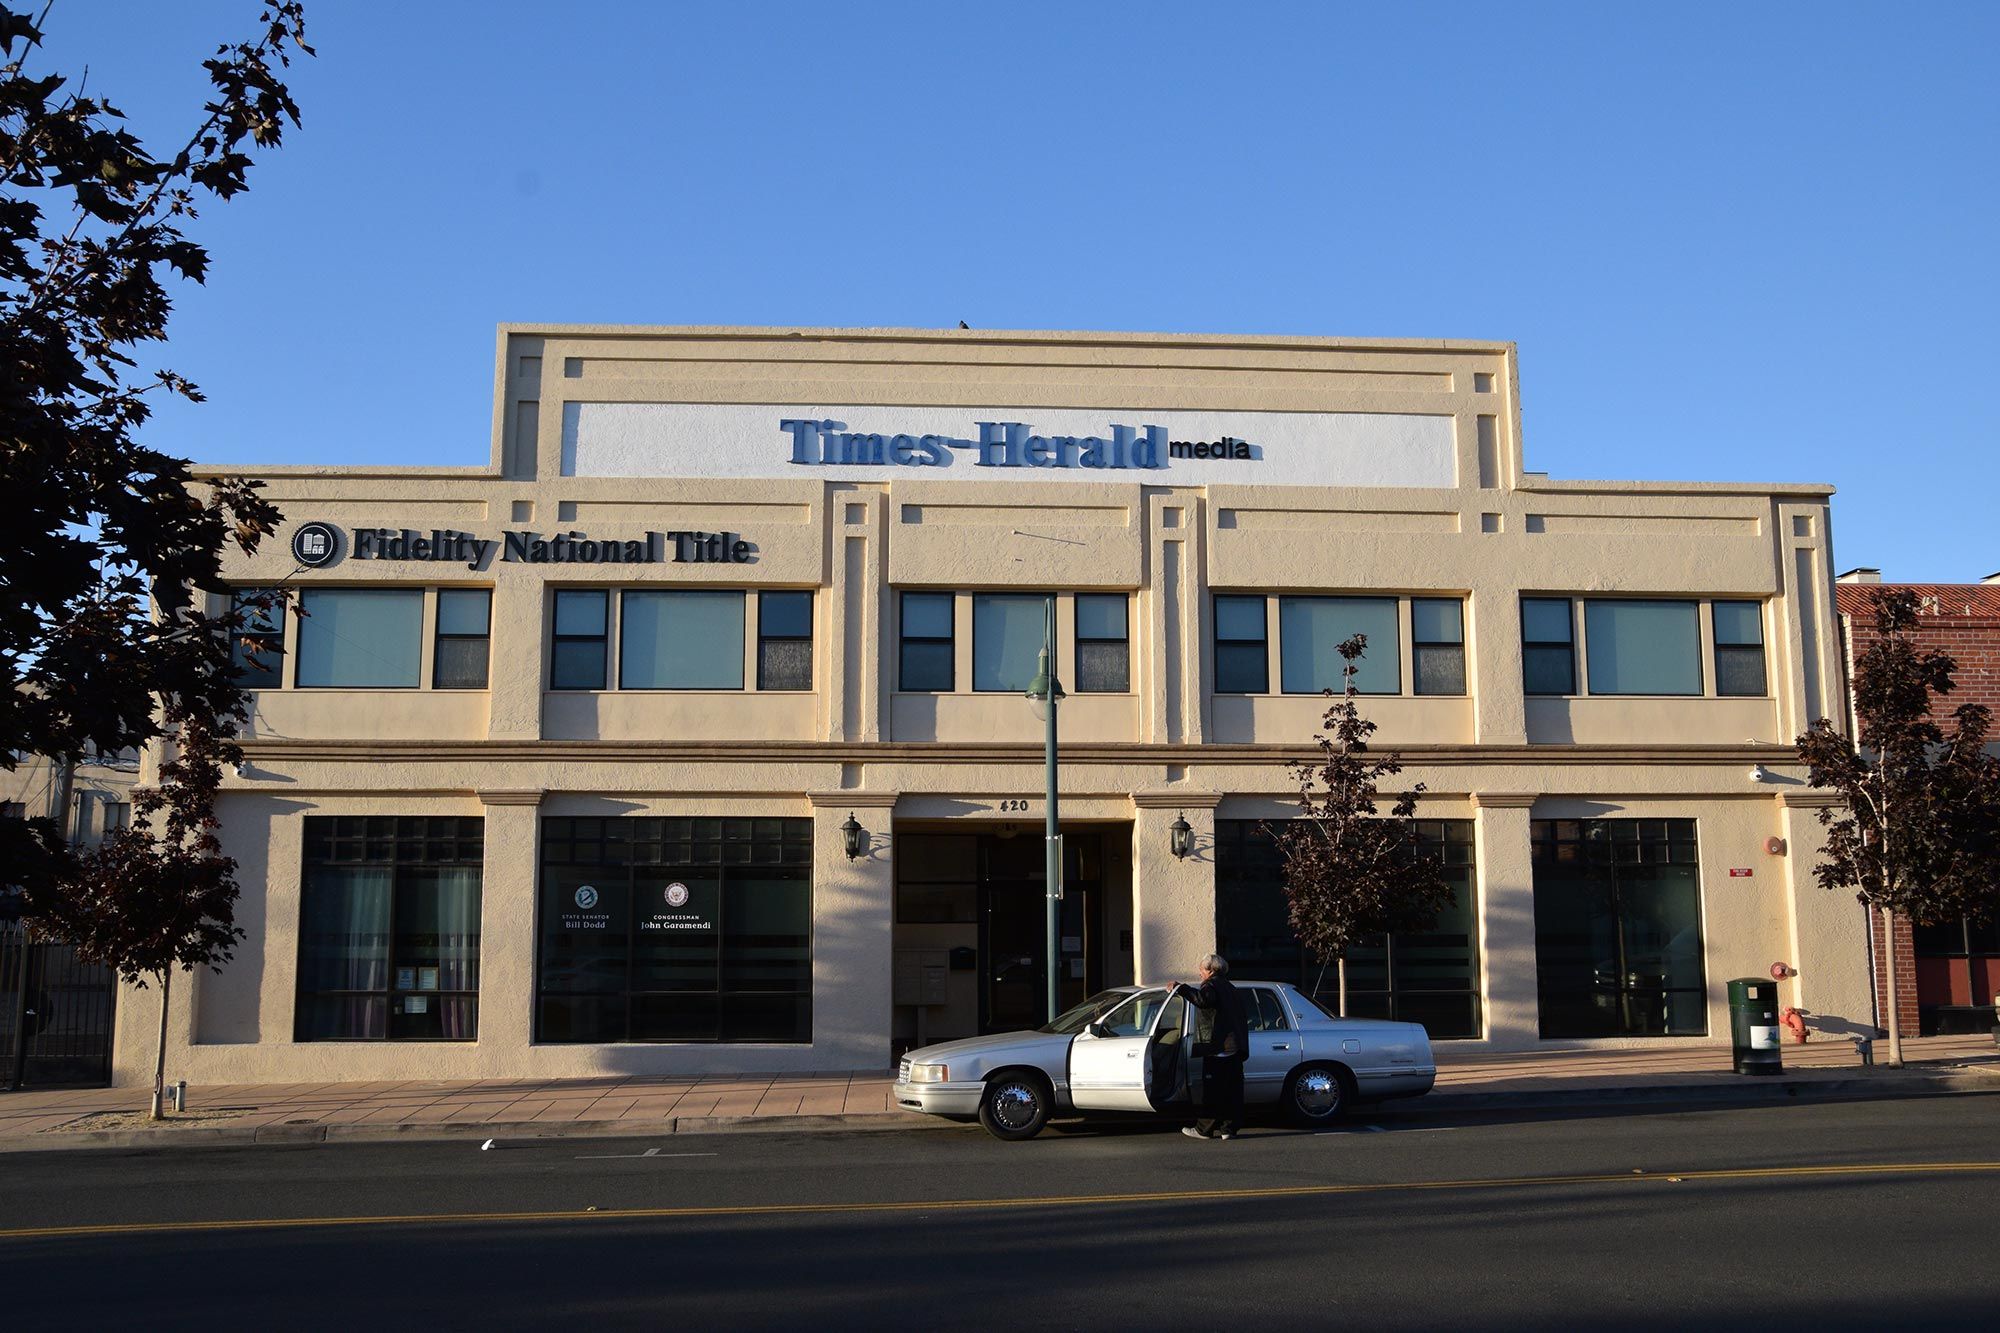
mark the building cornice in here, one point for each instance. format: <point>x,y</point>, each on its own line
<point>858,800</point>
<point>511,796</point>
<point>994,752</point>
<point>1812,799</point>
<point>1505,800</point>
<point>1176,800</point>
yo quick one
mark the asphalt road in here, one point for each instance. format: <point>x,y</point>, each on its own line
<point>1859,1214</point>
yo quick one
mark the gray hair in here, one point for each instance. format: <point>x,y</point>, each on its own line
<point>1217,964</point>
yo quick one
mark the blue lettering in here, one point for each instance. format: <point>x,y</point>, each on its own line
<point>902,449</point>
<point>996,448</point>
<point>933,447</point>
<point>1036,450</point>
<point>1093,452</point>
<point>805,435</point>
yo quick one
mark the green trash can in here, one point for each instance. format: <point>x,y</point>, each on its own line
<point>1753,1026</point>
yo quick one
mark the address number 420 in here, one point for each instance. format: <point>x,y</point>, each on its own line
<point>1011,804</point>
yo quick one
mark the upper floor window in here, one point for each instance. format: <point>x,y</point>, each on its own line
<point>1548,646</point>
<point>579,651</point>
<point>259,649</point>
<point>1739,647</point>
<point>1008,631</point>
<point>1640,646</point>
<point>1311,630</point>
<point>926,660</point>
<point>1242,662</point>
<point>360,638</point>
<point>1437,645</point>
<point>464,627</point>
<point>784,641</point>
<point>1103,644</point>
<point>680,639</point>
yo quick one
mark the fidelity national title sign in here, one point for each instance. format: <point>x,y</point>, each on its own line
<point>316,545</point>
<point>1008,444</point>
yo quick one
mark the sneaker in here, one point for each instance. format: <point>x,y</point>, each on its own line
<point>1193,1133</point>
<point>1225,1137</point>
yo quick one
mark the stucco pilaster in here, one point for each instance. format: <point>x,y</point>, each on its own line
<point>1173,899</point>
<point>1829,929</point>
<point>853,912</point>
<point>506,928</point>
<point>1506,917</point>
<point>514,672</point>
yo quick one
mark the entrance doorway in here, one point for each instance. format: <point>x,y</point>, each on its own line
<point>55,1013</point>
<point>970,926</point>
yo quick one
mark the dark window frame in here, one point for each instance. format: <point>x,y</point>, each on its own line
<point>763,596</point>
<point>439,637</point>
<point>1568,645</point>
<point>1247,860</point>
<point>603,639</point>
<point>1735,650</point>
<point>904,639</point>
<point>1417,647</point>
<point>1617,853</point>
<point>268,643</point>
<point>633,844</point>
<point>381,841</point>
<point>1076,627</point>
<point>1263,641</point>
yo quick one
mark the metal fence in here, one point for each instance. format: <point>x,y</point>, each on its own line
<point>55,1013</point>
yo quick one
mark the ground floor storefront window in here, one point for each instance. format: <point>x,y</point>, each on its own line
<point>1429,977</point>
<point>675,929</point>
<point>1618,949</point>
<point>1958,974</point>
<point>389,929</point>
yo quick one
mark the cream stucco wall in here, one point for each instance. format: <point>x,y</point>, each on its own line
<point>1170,744</point>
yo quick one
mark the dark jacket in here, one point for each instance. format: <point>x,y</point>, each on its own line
<point>1230,1038</point>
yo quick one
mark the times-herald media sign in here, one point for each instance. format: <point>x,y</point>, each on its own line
<point>316,545</point>
<point>888,443</point>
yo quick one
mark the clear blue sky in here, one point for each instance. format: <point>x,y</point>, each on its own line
<point>1734,242</point>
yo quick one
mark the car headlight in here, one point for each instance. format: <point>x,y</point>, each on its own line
<point>929,1073</point>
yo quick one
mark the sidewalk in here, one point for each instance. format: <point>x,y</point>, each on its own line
<point>617,1105</point>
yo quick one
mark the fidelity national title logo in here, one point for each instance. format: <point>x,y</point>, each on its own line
<point>316,545</point>
<point>1013,444</point>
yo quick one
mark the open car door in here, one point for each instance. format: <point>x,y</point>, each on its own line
<point>1134,1058</point>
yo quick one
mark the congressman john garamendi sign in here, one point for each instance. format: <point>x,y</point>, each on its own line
<point>316,545</point>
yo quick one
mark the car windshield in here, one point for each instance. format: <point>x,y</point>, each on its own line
<point>1073,1021</point>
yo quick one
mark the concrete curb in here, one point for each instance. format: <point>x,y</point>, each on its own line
<point>1748,1092</point>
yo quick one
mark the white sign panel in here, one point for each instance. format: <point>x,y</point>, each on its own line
<point>1007,444</point>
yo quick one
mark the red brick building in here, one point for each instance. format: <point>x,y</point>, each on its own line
<point>1946,976</point>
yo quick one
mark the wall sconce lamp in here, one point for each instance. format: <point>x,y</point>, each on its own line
<point>853,837</point>
<point>1180,838</point>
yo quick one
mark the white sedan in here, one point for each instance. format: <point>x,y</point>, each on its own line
<point>1139,1049</point>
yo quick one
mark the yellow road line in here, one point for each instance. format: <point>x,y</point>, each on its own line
<point>1033,1201</point>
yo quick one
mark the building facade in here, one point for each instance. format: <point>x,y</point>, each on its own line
<point>1947,975</point>
<point>557,764</point>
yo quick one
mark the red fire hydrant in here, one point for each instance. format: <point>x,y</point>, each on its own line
<point>1796,1022</point>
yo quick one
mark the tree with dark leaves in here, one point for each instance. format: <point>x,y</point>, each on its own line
<point>112,550</point>
<point>1918,834</point>
<point>1351,873</point>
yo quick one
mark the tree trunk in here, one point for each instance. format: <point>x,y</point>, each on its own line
<point>1895,1017</point>
<point>1343,985</point>
<point>160,1053</point>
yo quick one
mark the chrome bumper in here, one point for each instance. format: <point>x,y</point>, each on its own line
<point>938,1098</point>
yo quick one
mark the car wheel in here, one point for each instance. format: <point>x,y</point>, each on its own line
<point>1015,1106</point>
<point>1318,1094</point>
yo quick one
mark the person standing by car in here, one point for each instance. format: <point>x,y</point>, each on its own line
<point>1221,1106</point>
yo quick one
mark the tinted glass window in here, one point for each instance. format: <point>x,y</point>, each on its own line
<point>1241,660</point>
<point>360,638</point>
<point>680,641</point>
<point>927,654</point>
<point>1311,629</point>
<point>1637,647</point>
<point>1007,635</point>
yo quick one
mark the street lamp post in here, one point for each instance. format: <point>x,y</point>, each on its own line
<point>1045,692</point>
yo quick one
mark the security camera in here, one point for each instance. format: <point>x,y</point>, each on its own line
<point>1758,773</point>
<point>242,768</point>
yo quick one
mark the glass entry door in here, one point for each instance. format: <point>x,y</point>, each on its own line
<point>1013,927</point>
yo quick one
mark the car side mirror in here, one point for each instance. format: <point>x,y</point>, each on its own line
<point>1096,1029</point>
